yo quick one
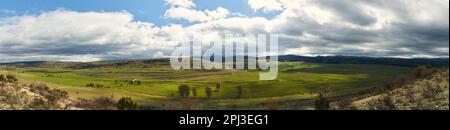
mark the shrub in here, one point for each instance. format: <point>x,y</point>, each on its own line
<point>322,102</point>
<point>390,84</point>
<point>184,90</point>
<point>90,85</point>
<point>239,91</point>
<point>8,78</point>
<point>138,82</point>
<point>421,72</point>
<point>430,90</point>
<point>56,95</point>
<point>52,96</point>
<point>99,86</point>
<point>403,79</point>
<point>11,78</point>
<point>208,92</point>
<point>387,103</point>
<point>125,103</point>
<point>194,92</point>
<point>218,86</point>
<point>100,103</point>
<point>396,82</point>
<point>38,88</point>
<point>3,78</point>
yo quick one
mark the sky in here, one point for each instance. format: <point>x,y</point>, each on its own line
<point>93,30</point>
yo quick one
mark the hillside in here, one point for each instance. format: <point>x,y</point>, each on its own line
<point>430,93</point>
<point>16,96</point>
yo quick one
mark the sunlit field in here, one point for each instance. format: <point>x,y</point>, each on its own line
<point>154,83</point>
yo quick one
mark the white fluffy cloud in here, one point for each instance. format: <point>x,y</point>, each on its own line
<point>81,36</point>
<point>193,15</point>
<point>185,10</point>
<point>265,5</point>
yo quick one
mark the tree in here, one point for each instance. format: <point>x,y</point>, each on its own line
<point>125,103</point>
<point>208,92</point>
<point>218,86</point>
<point>184,90</point>
<point>138,82</point>
<point>90,85</point>
<point>322,103</point>
<point>194,92</point>
<point>239,91</point>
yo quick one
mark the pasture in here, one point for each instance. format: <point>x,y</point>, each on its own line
<point>156,83</point>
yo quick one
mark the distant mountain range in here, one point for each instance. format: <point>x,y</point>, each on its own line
<point>430,62</point>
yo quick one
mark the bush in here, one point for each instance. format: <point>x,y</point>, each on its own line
<point>387,103</point>
<point>389,84</point>
<point>421,72</point>
<point>218,86</point>
<point>396,82</point>
<point>90,85</point>
<point>38,88</point>
<point>101,103</point>
<point>11,78</point>
<point>56,95</point>
<point>322,102</point>
<point>125,103</point>
<point>52,96</point>
<point>184,90</point>
<point>138,82</point>
<point>3,78</point>
<point>239,91</point>
<point>430,90</point>
<point>99,86</point>
<point>8,78</point>
<point>194,92</point>
<point>208,92</point>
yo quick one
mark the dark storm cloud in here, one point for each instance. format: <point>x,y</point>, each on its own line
<point>349,11</point>
<point>388,28</point>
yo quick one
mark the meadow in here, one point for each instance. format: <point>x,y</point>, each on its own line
<point>156,84</point>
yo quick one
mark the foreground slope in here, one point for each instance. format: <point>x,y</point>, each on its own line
<point>430,93</point>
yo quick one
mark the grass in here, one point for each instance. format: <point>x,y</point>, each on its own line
<point>159,83</point>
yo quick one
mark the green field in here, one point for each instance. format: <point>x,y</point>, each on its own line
<point>159,83</point>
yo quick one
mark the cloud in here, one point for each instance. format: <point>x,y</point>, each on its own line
<point>67,34</point>
<point>382,28</point>
<point>265,5</point>
<point>386,28</point>
<point>185,10</point>
<point>181,3</point>
<point>192,15</point>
